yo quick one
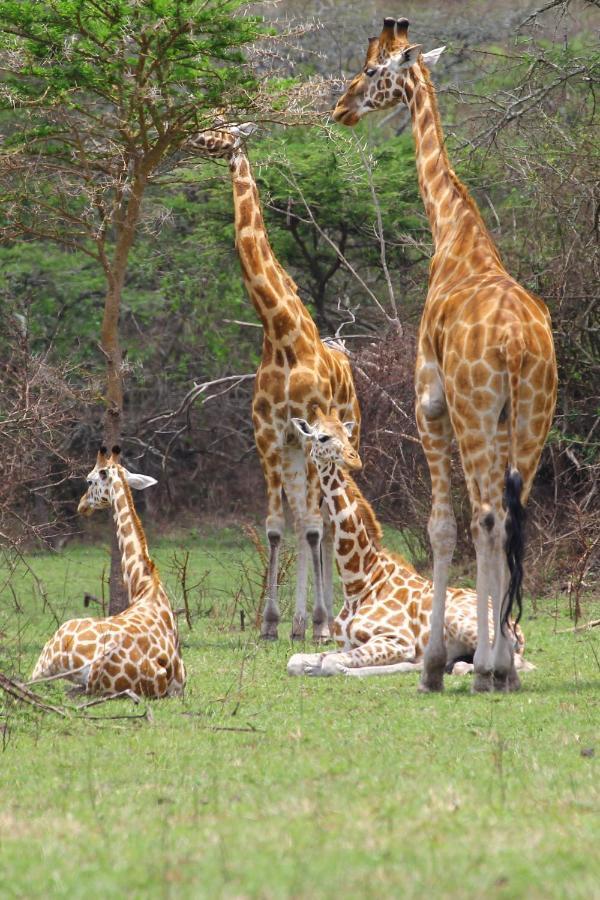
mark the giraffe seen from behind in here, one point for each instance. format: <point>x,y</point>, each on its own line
<point>298,375</point>
<point>136,651</point>
<point>384,625</point>
<point>486,369</point>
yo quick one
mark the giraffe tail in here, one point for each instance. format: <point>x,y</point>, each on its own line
<point>513,490</point>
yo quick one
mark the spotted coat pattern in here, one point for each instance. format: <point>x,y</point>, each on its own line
<point>136,650</point>
<point>385,619</point>
<point>486,370</point>
<point>298,375</point>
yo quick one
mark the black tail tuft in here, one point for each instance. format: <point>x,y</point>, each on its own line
<point>515,544</point>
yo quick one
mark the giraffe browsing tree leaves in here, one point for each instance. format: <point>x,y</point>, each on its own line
<point>299,375</point>
<point>486,368</point>
<point>384,625</point>
<point>137,651</point>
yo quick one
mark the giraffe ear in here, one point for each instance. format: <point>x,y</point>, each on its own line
<point>139,482</point>
<point>406,57</point>
<point>305,430</point>
<point>349,428</point>
<point>431,57</point>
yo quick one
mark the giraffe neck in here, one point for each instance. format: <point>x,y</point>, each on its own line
<point>139,572</point>
<point>273,293</point>
<point>450,209</point>
<point>356,530</point>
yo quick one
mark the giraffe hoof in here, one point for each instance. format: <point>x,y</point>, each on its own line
<point>322,637</point>
<point>432,679</point>
<point>298,628</point>
<point>506,684</point>
<point>483,683</point>
<point>269,631</point>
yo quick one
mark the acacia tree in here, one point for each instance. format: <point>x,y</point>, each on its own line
<point>97,98</point>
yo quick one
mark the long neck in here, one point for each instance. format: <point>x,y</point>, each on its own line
<point>138,569</point>
<point>451,211</point>
<point>272,291</point>
<point>356,548</point>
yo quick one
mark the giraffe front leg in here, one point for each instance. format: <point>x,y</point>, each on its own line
<point>327,557</point>
<point>314,535</point>
<point>294,481</point>
<point>271,614</point>
<point>309,663</point>
<point>378,656</point>
<point>271,460</point>
<point>299,620</point>
<point>436,435</point>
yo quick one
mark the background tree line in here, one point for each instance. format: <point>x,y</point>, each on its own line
<point>518,105</point>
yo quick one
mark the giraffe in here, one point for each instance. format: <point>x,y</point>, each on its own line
<point>136,651</point>
<point>485,372</point>
<point>298,375</point>
<point>384,625</point>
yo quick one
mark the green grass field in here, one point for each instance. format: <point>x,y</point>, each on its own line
<point>260,785</point>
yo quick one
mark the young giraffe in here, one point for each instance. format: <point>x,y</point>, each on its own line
<point>297,376</point>
<point>384,624</point>
<point>486,370</point>
<point>138,650</point>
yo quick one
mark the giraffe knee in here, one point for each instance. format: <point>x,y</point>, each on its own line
<point>486,524</point>
<point>274,528</point>
<point>432,401</point>
<point>488,521</point>
<point>442,534</point>
<point>313,530</point>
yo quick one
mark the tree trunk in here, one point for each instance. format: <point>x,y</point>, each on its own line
<point>126,223</point>
<point>111,347</point>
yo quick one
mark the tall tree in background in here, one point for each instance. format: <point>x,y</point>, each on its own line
<point>97,97</point>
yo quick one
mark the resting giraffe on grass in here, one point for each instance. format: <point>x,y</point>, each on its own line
<point>384,625</point>
<point>136,651</point>
<point>297,376</point>
<point>486,369</point>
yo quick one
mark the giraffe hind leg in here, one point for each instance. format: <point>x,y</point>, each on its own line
<point>436,436</point>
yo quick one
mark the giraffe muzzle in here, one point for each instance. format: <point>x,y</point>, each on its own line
<point>344,116</point>
<point>353,461</point>
<point>84,508</point>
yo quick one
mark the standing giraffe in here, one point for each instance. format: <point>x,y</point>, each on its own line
<point>297,376</point>
<point>486,369</point>
<point>136,651</point>
<point>384,624</point>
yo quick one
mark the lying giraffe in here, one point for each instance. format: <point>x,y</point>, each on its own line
<point>136,651</point>
<point>384,625</point>
<point>486,369</point>
<point>298,375</point>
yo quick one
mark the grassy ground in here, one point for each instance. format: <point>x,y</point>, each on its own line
<point>258,785</point>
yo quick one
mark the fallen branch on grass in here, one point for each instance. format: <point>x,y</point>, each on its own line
<point>586,627</point>
<point>107,697</point>
<point>24,695</point>
<point>147,714</point>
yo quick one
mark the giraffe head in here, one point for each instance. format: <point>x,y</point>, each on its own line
<point>329,440</point>
<point>100,479</point>
<point>382,81</point>
<point>217,143</point>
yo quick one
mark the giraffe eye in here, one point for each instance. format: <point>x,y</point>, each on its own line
<point>324,438</point>
<point>370,72</point>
